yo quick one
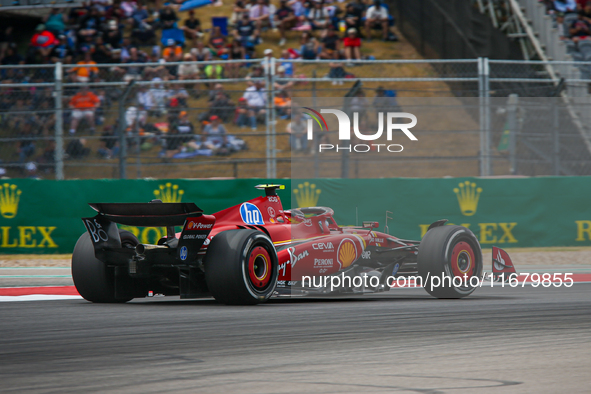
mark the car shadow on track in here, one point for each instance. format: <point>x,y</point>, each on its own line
<point>210,302</point>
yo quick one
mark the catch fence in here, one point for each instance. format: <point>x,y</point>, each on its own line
<point>134,131</point>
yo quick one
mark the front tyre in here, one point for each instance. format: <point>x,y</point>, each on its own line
<point>94,280</point>
<point>448,252</point>
<point>241,267</point>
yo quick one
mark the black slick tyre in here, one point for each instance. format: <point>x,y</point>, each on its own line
<point>448,252</point>
<point>241,267</point>
<point>94,280</point>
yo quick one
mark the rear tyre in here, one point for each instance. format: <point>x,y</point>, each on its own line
<point>449,252</point>
<point>241,267</point>
<point>94,280</point>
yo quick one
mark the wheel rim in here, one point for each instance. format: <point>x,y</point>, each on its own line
<point>463,260</point>
<point>259,267</point>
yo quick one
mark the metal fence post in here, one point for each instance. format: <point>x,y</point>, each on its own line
<point>483,94</point>
<point>556,144</point>
<point>59,123</point>
<point>121,129</point>
<point>267,116</point>
<point>512,126</point>
<point>273,123</point>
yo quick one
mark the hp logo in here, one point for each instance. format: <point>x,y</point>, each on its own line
<point>184,253</point>
<point>250,214</point>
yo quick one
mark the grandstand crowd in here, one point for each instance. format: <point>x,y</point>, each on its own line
<point>134,40</point>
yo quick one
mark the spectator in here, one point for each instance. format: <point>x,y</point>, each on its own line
<point>192,28</point>
<point>283,104</point>
<point>353,17</point>
<point>217,42</point>
<point>352,45</point>
<point>280,85</point>
<point>244,28</point>
<point>143,31</point>
<point>221,106</point>
<point>309,46</point>
<point>318,16</point>
<point>76,149</point>
<point>89,25</point>
<point>134,70</point>
<point>172,52</point>
<point>109,143</point>
<point>84,74</point>
<point>12,57</point>
<point>377,17</point>
<point>236,52</point>
<point>256,101</point>
<point>565,6</point>
<point>43,40</point>
<point>167,16</point>
<point>297,130</point>
<point>188,69</point>
<point>112,35</point>
<point>217,89</point>
<point>178,96</point>
<point>146,100</point>
<point>579,29</point>
<point>26,144</point>
<point>102,52</point>
<point>330,45</point>
<point>259,15</point>
<point>238,11</point>
<point>285,20</point>
<point>272,11</point>
<point>56,21</point>
<point>201,52</point>
<point>288,66</point>
<point>215,134</point>
<point>61,51</point>
<point>6,38</point>
<point>83,105</point>
<point>181,135</point>
<point>586,12</point>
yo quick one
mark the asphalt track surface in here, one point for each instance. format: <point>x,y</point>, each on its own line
<point>499,340</point>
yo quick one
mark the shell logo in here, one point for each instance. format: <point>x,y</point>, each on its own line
<point>347,253</point>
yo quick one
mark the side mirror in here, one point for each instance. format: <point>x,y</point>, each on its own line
<point>371,224</point>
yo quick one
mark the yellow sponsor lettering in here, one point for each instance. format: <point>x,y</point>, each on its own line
<point>425,227</point>
<point>486,232</point>
<point>46,234</point>
<point>5,238</point>
<point>26,237</point>
<point>583,228</point>
<point>507,227</point>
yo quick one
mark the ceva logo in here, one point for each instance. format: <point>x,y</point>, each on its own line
<point>345,130</point>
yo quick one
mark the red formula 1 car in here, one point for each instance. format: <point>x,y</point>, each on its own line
<point>249,252</point>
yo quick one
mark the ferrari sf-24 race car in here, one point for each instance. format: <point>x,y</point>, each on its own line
<point>250,252</point>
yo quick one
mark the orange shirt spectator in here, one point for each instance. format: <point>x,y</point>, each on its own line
<point>84,100</point>
<point>83,73</point>
<point>172,51</point>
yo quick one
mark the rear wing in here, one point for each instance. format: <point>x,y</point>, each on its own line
<point>104,233</point>
<point>156,214</point>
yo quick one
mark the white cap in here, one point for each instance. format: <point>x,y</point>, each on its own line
<point>268,51</point>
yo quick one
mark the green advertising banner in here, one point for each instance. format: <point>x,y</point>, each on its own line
<point>40,216</point>
<point>517,212</point>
